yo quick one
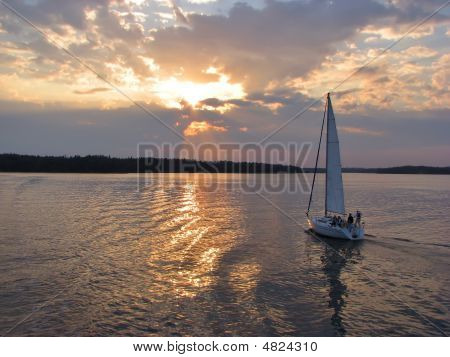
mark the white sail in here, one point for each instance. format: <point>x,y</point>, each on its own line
<point>334,201</point>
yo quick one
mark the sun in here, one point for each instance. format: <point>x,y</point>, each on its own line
<point>173,91</point>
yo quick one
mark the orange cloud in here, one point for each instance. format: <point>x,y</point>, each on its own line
<point>360,131</point>
<point>197,127</point>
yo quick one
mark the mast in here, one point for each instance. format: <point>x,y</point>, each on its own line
<point>317,158</point>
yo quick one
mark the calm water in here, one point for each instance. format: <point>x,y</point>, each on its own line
<point>89,255</point>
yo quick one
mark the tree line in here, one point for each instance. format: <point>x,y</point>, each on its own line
<point>107,164</point>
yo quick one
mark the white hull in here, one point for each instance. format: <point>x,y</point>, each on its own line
<point>323,226</point>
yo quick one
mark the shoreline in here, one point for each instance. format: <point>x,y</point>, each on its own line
<point>97,164</point>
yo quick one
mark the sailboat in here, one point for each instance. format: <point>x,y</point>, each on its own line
<point>333,223</point>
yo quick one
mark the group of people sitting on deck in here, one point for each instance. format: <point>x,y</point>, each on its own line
<point>338,221</point>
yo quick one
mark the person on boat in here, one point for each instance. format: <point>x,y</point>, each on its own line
<point>333,221</point>
<point>358,218</point>
<point>339,221</point>
<point>350,220</point>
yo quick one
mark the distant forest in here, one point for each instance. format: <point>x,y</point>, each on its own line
<point>106,164</point>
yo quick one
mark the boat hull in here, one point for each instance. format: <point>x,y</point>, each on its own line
<point>323,226</point>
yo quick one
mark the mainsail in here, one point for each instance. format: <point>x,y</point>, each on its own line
<point>334,198</point>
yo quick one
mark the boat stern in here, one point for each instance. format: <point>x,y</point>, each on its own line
<point>323,226</point>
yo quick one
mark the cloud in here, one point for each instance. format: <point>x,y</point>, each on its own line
<point>419,52</point>
<point>197,127</point>
<point>395,32</point>
<point>409,79</point>
<point>441,75</point>
<point>213,102</point>
<point>254,47</point>
<point>359,131</point>
<point>91,91</point>
<point>97,31</point>
<point>56,129</point>
<point>201,1</point>
<point>260,45</point>
<point>179,15</point>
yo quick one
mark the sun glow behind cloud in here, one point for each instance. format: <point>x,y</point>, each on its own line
<point>174,91</point>
<point>198,127</point>
<point>169,92</point>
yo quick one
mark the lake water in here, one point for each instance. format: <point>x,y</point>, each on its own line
<point>90,255</point>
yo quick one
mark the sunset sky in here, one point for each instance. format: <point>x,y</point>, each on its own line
<point>226,71</point>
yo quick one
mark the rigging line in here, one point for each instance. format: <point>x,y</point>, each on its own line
<point>317,158</point>
<point>370,278</point>
<point>91,69</point>
<point>367,63</point>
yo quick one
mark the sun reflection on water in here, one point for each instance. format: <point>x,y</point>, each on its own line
<point>187,252</point>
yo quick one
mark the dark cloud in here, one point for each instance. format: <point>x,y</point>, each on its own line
<point>92,91</point>
<point>213,102</point>
<point>51,129</point>
<point>342,93</point>
<point>33,129</point>
<point>284,96</point>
